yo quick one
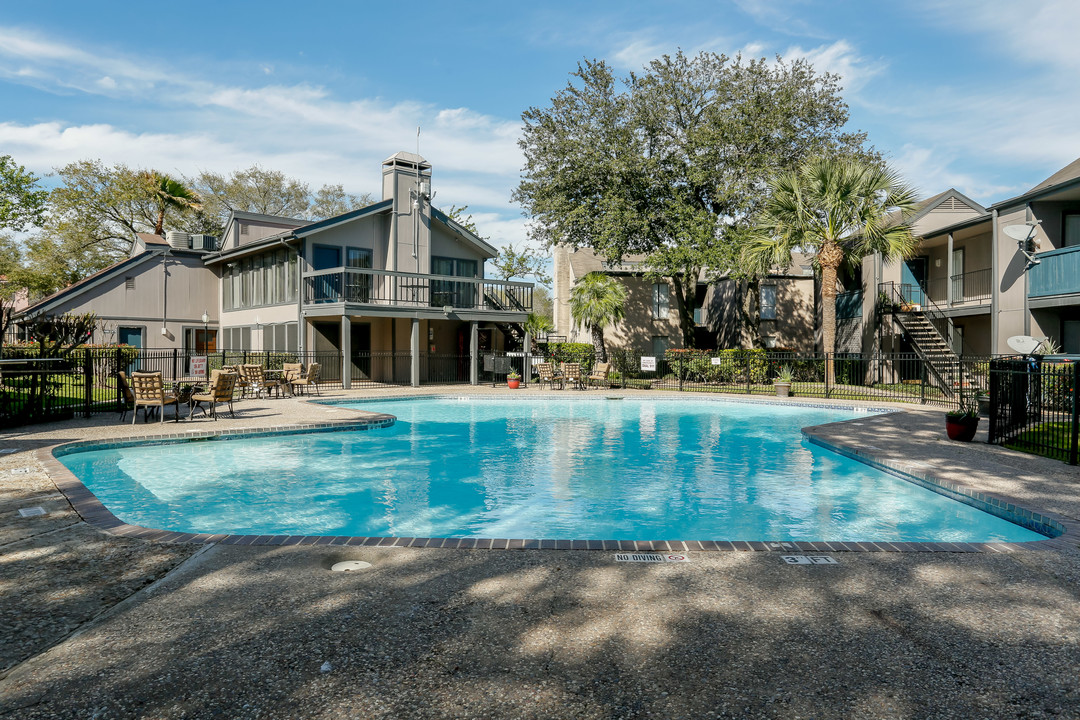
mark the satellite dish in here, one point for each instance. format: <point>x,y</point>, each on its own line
<point>1024,344</point>
<point>1018,232</point>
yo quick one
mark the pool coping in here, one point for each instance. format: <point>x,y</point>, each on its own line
<point>96,514</point>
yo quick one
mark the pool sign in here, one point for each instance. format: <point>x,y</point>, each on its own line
<point>198,365</point>
<point>716,361</point>
<point>651,557</point>
<point>648,364</point>
<point>809,560</point>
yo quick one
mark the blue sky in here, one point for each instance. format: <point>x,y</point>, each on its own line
<point>980,95</point>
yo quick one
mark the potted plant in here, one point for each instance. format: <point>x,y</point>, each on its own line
<point>983,399</point>
<point>513,380</point>
<point>962,423</point>
<point>783,381</point>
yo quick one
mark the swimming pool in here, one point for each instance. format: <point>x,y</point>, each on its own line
<point>563,468</point>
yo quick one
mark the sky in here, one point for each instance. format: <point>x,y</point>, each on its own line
<point>979,95</point>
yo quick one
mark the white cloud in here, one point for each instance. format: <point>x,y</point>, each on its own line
<point>637,52</point>
<point>1037,31</point>
<point>839,58</point>
<point>301,129</point>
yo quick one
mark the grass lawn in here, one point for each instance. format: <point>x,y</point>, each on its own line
<point>1050,440</point>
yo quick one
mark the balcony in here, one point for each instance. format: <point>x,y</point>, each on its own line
<point>383,288</point>
<point>1058,273</point>
<point>970,288</point>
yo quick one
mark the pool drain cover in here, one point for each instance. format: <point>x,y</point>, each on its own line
<point>346,565</point>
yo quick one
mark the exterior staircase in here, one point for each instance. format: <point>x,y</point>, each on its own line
<point>944,368</point>
<point>514,332</point>
<point>920,319</point>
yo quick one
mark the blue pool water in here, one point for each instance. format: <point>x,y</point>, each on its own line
<point>575,468</point>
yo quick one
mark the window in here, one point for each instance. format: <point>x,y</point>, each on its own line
<point>267,279</point>
<point>281,337</point>
<point>357,285</point>
<point>659,301</point>
<point>236,338</point>
<point>659,346</point>
<point>1071,234</point>
<point>768,302</point>
<point>456,294</point>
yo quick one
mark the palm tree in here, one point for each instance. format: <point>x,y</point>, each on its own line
<point>166,194</point>
<point>597,301</point>
<point>537,325</point>
<point>839,210</point>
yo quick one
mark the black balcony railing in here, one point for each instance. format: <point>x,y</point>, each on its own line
<point>361,286</point>
<point>974,286</point>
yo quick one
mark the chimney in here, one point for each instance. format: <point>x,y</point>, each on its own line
<point>407,181</point>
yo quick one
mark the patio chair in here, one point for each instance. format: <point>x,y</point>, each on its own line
<point>149,391</point>
<point>125,390</point>
<point>599,375</point>
<point>256,380</point>
<point>222,387</point>
<point>572,373</point>
<point>310,379</point>
<point>546,371</point>
<point>290,373</point>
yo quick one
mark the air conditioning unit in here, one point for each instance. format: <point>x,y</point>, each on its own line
<point>203,242</point>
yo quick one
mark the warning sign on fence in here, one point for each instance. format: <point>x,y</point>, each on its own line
<point>648,364</point>
<point>198,366</point>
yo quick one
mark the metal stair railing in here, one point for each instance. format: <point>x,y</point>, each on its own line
<point>945,364</point>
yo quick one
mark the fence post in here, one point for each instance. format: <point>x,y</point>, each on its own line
<point>174,363</point>
<point>88,380</point>
<point>679,369</point>
<point>1074,449</point>
<point>923,376</point>
<point>828,392</point>
<point>749,390</point>
<point>120,399</point>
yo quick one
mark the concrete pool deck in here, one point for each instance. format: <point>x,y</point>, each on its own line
<point>94,624</point>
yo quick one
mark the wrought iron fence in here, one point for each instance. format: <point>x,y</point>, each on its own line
<point>904,377</point>
<point>85,381</point>
<point>1034,406</point>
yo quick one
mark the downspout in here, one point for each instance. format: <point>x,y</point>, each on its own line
<point>1027,310</point>
<point>994,264</point>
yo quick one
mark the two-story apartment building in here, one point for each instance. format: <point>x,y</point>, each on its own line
<point>785,304</point>
<point>976,282</point>
<point>398,276</point>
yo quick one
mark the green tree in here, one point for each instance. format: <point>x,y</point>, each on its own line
<point>458,215</point>
<point>22,202</point>
<point>168,194</point>
<point>268,192</point>
<point>537,324</point>
<point>838,210</point>
<point>672,162</point>
<point>597,300</point>
<point>98,209</point>
<point>512,263</point>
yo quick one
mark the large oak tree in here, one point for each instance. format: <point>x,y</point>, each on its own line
<point>673,162</point>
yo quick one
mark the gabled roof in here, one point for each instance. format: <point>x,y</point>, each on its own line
<point>279,219</point>
<point>462,231</point>
<point>88,282</point>
<point>1062,179</point>
<point>1064,175</point>
<point>949,199</point>
<point>316,227</point>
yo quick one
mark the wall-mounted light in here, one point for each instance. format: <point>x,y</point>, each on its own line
<point>937,262</point>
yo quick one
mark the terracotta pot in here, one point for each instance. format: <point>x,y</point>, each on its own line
<point>513,384</point>
<point>961,428</point>
<point>782,389</point>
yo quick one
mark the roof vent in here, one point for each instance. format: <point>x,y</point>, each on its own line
<point>178,240</point>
